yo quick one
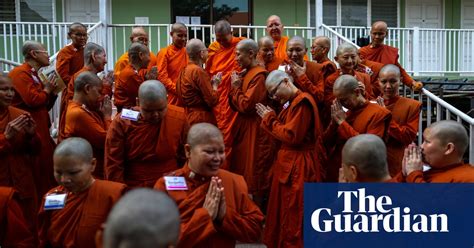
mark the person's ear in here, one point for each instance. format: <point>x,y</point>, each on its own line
<point>187,151</point>
<point>87,88</point>
<point>449,149</point>
<point>354,174</point>
<point>93,164</point>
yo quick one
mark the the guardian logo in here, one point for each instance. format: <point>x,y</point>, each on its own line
<point>374,215</point>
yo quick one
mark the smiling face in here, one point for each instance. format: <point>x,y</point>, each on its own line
<point>6,92</point>
<point>274,27</point>
<point>78,35</point>
<point>179,37</point>
<point>205,159</point>
<point>73,173</point>
<point>347,60</point>
<point>267,51</point>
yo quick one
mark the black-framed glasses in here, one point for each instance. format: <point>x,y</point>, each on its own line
<point>274,91</point>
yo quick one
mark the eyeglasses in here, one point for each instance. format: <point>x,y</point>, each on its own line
<point>80,34</point>
<point>41,51</point>
<point>274,91</point>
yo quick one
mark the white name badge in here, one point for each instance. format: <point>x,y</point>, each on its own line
<point>175,183</point>
<point>282,68</point>
<point>129,114</point>
<point>286,105</point>
<point>55,201</point>
<point>345,109</point>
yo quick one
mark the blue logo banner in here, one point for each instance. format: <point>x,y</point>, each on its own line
<point>385,215</point>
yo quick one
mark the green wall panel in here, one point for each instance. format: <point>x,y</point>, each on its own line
<point>292,12</point>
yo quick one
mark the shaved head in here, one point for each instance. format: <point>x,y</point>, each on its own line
<point>194,48</point>
<point>134,52</point>
<point>390,68</point>
<point>297,39</point>
<point>138,31</point>
<point>143,218</point>
<point>323,41</point>
<point>177,26</point>
<point>275,77</point>
<point>380,25</point>
<point>86,78</point>
<point>151,91</point>
<point>448,131</point>
<point>5,79</point>
<point>273,18</point>
<point>367,152</point>
<point>248,45</point>
<point>29,46</point>
<point>90,49</point>
<point>265,40</point>
<point>78,148</point>
<point>223,27</point>
<point>76,25</point>
<point>344,47</point>
<point>346,84</point>
<point>201,133</point>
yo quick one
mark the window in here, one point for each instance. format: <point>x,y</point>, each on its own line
<point>357,12</point>
<point>26,10</point>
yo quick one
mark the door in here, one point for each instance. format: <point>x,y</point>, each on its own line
<point>81,11</point>
<point>467,16</point>
<point>424,13</point>
<point>467,46</point>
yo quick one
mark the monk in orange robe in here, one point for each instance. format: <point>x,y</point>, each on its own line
<point>298,130</point>
<point>15,233</point>
<point>319,51</point>
<point>275,30</point>
<point>130,78</point>
<point>171,61</point>
<point>308,74</point>
<point>362,117</point>
<point>37,98</point>
<point>364,160</point>
<point>95,60</point>
<point>19,144</point>
<point>71,213</point>
<point>405,117</point>
<point>70,59</point>
<point>266,54</point>
<point>137,221</point>
<point>194,87</point>
<point>141,36</point>
<point>146,142</point>
<point>89,116</point>
<point>222,59</point>
<point>385,54</point>
<point>248,89</point>
<point>372,68</point>
<point>443,148</point>
<point>346,57</point>
<point>214,204</point>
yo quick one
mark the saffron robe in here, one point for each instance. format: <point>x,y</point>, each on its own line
<point>123,61</point>
<point>138,153</point>
<point>274,64</point>
<point>369,118</point>
<point>242,221</point>
<point>402,130</point>
<point>329,94</point>
<point>18,157</point>
<point>222,59</point>
<point>15,233</point>
<point>457,173</point>
<point>299,131</point>
<point>329,68</point>
<point>245,127</point>
<point>77,223</point>
<point>386,55</point>
<point>280,48</point>
<point>126,87</point>
<point>372,68</point>
<point>69,61</point>
<point>170,62</point>
<point>195,91</point>
<point>29,96</point>
<point>91,126</point>
<point>312,81</point>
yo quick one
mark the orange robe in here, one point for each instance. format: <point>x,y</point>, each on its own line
<point>222,59</point>
<point>369,118</point>
<point>299,131</point>
<point>280,48</point>
<point>122,62</point>
<point>386,55</point>
<point>77,223</point>
<point>329,94</point>
<point>194,89</point>
<point>245,128</point>
<point>329,68</point>
<point>402,130</point>
<point>372,68</point>
<point>138,153</point>
<point>15,233</point>
<point>312,81</point>
<point>91,126</point>
<point>18,157</point>
<point>29,96</point>
<point>457,173</point>
<point>242,221</point>
<point>170,62</point>
<point>274,64</point>
<point>126,87</point>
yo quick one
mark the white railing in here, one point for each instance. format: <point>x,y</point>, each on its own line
<point>159,38</point>
<point>7,65</point>
<point>426,51</point>
<point>336,39</point>
<point>14,34</point>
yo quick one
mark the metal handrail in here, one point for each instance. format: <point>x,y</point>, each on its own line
<point>339,35</point>
<point>9,62</point>
<point>449,107</point>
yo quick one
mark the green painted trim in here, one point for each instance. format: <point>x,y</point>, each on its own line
<point>291,12</point>
<point>402,14</point>
<point>59,10</point>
